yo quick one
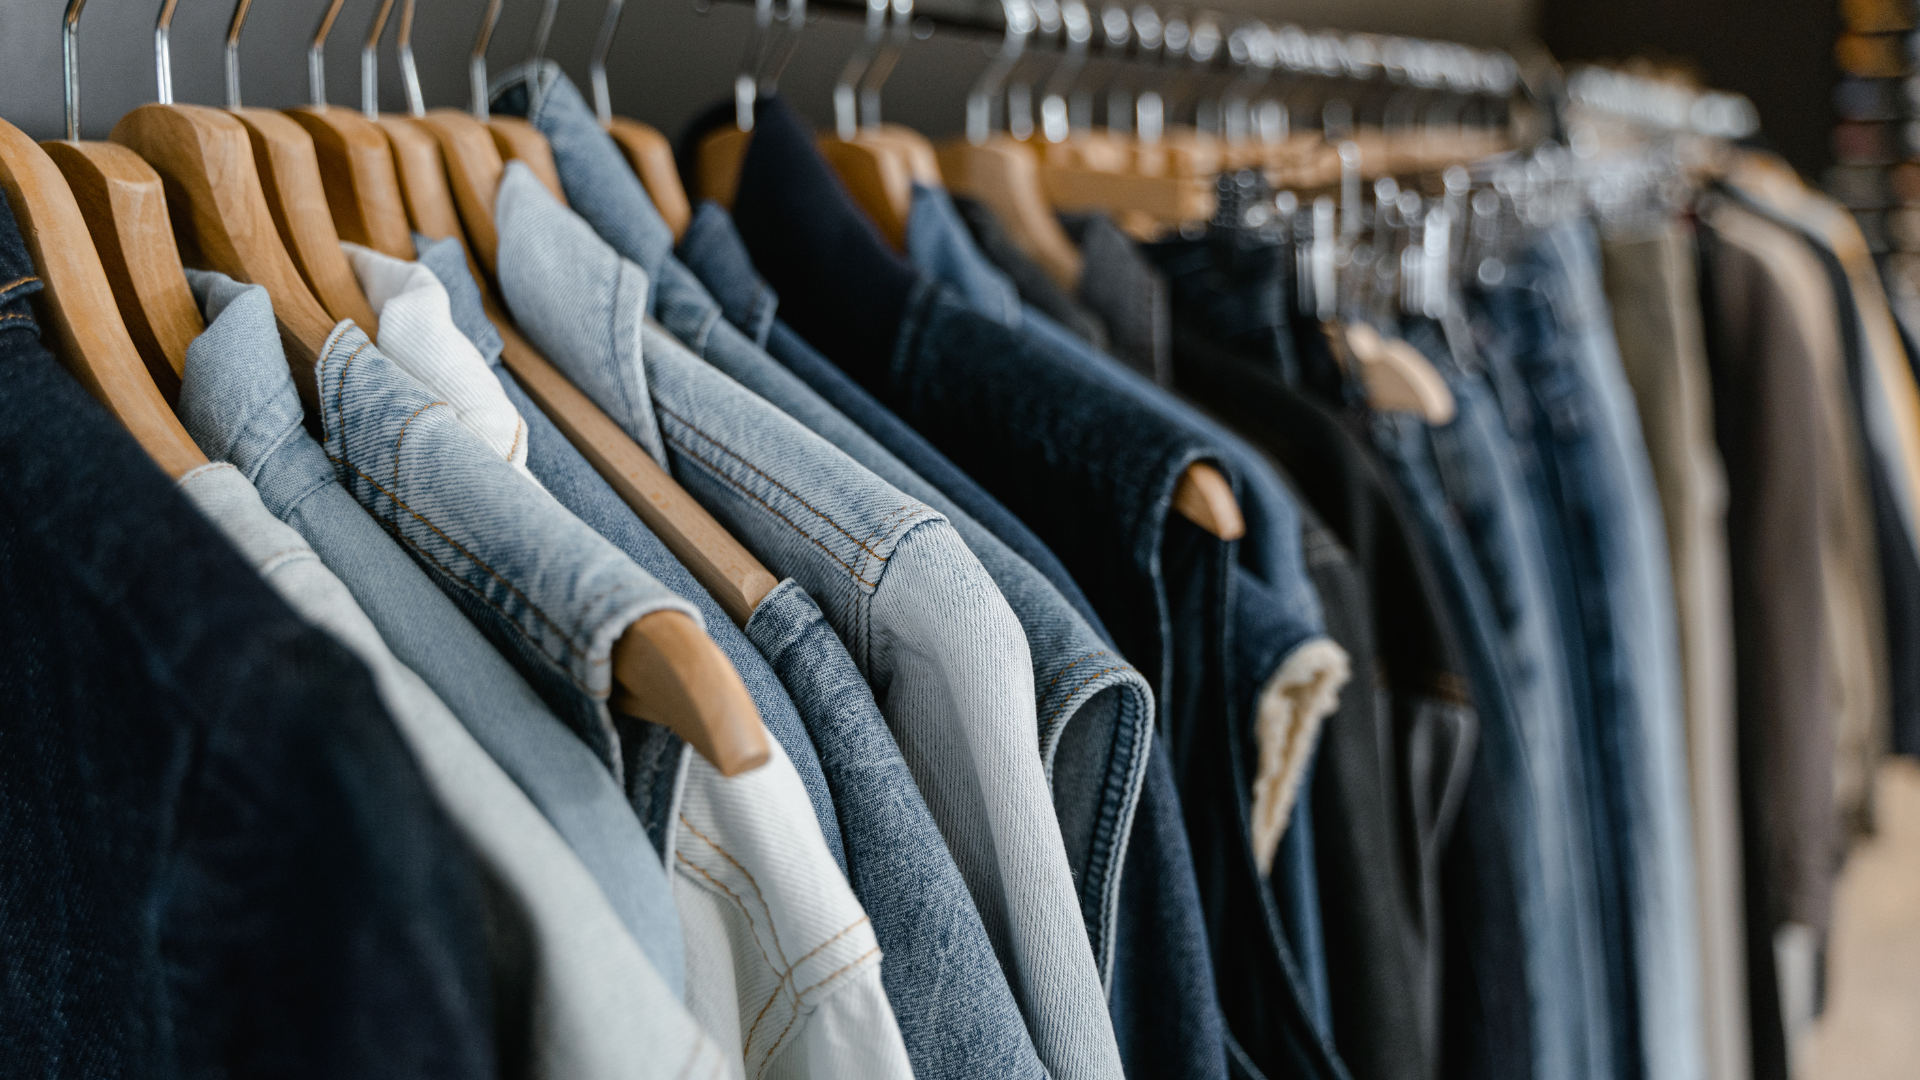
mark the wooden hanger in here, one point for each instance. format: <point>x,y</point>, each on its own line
<point>1001,174</point>
<point>289,171</point>
<point>125,208</point>
<point>647,151</point>
<point>77,303</point>
<point>1396,376</point>
<point>219,210</point>
<point>878,177</point>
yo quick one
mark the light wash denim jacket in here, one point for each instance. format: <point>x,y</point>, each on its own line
<point>593,1005</point>
<point>548,590</point>
<point>916,610</point>
<point>1085,690</point>
<point>955,1012</point>
<point>238,401</point>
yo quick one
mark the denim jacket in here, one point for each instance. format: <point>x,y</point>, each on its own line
<point>956,1015</point>
<point>552,593</point>
<point>1031,422</point>
<point>238,401</point>
<point>580,998</point>
<point>914,607</point>
<point>1096,783</point>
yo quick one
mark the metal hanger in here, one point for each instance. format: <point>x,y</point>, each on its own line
<point>219,209</point>
<point>647,151</point>
<point>666,669</point>
<point>519,140</point>
<point>77,305</point>
<point>874,169</point>
<point>125,207</point>
<point>718,158</point>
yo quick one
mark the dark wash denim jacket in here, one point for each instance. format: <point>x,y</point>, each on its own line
<point>1393,761</point>
<point>1166,590</point>
<point>217,856</point>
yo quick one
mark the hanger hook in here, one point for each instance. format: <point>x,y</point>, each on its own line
<point>317,55</point>
<point>766,56</point>
<point>1020,23</point>
<point>882,67</point>
<point>477,61</point>
<point>70,62</point>
<point>1076,26</point>
<point>163,52</point>
<point>541,31</point>
<point>845,121</point>
<point>240,10</point>
<point>403,44</point>
<point>370,62</point>
<point>597,67</point>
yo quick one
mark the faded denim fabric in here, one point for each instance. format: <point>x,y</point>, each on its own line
<point>1092,703</point>
<point>1548,340</point>
<point>1057,423</point>
<point>955,1010</point>
<point>548,590</point>
<point>238,401</point>
<point>712,249</point>
<point>578,997</point>
<point>572,480</point>
<point>916,610</point>
<point>939,246</point>
<point>218,856</point>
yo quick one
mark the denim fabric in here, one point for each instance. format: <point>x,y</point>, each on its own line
<point>1548,339</point>
<point>1121,285</point>
<point>572,480</point>
<point>955,1010</point>
<point>916,610</point>
<point>217,855</point>
<point>1037,288</point>
<point>784,967</point>
<point>1394,759</point>
<point>712,249</point>
<point>549,591</point>
<point>939,247</point>
<point>1093,705</point>
<point>1278,617</point>
<point>1161,988</point>
<point>238,401</point>
<point>1231,291</point>
<point>1002,406</point>
<point>577,996</point>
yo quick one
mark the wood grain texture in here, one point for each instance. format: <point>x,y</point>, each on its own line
<point>289,172</point>
<point>1204,497</point>
<point>1003,175</point>
<point>878,177</point>
<point>423,177</point>
<point>667,670</point>
<point>518,140</point>
<point>125,207</point>
<point>727,570</point>
<point>220,217</point>
<point>717,164</point>
<point>651,156</point>
<point>76,306</point>
<point>473,169</point>
<point>356,170</point>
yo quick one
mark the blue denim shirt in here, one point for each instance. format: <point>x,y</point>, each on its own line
<point>569,477</point>
<point>237,400</point>
<point>916,610</point>
<point>1090,461</point>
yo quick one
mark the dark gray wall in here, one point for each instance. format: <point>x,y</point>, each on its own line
<point>668,63</point>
